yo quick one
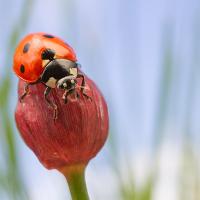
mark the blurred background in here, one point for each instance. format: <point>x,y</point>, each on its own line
<point>144,56</point>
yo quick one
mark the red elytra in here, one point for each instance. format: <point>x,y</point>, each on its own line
<point>27,62</point>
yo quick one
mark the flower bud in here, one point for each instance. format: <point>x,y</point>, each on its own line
<point>74,137</point>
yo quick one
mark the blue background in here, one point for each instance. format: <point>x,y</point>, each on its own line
<point>144,56</point>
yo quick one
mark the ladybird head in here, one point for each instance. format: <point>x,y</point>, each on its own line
<point>35,51</point>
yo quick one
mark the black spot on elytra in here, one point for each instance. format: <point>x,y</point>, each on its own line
<point>26,47</point>
<point>22,69</point>
<point>48,54</point>
<point>48,36</point>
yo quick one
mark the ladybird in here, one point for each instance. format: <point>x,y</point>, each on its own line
<point>42,57</point>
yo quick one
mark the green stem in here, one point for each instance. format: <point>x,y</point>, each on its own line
<point>75,176</point>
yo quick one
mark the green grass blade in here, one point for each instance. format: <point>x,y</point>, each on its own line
<point>10,178</point>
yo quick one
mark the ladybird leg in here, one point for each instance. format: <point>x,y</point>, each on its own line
<point>83,86</point>
<point>64,97</point>
<point>83,81</point>
<point>77,95</point>
<point>71,91</point>
<point>74,83</point>
<point>66,94</point>
<point>26,91</point>
<point>50,103</point>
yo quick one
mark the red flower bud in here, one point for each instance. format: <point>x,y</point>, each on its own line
<point>77,134</point>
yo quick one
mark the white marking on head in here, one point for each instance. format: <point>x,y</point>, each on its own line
<point>51,82</point>
<point>73,71</point>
